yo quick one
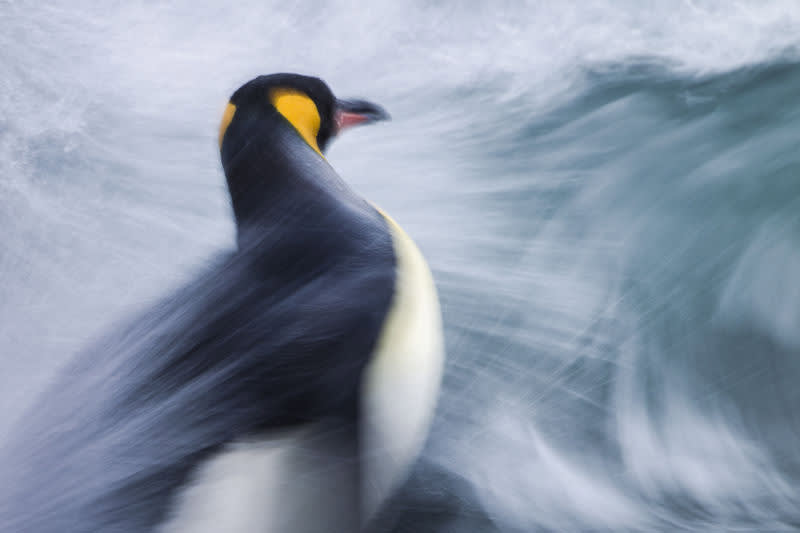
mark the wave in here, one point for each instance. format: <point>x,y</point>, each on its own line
<point>606,192</point>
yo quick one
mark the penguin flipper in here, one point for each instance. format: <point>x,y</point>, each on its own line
<point>249,346</point>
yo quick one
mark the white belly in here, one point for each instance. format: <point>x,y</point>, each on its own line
<point>303,481</point>
<point>401,382</point>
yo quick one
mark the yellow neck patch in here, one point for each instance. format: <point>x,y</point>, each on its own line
<point>227,116</point>
<point>300,111</point>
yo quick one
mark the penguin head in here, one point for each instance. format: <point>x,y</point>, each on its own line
<point>305,102</point>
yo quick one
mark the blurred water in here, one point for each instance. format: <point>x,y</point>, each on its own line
<point>606,191</point>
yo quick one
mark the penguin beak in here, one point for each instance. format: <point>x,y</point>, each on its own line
<point>351,113</point>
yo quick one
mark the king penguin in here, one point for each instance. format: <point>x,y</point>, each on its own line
<point>290,387</point>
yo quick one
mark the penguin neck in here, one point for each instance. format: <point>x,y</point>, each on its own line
<point>277,180</point>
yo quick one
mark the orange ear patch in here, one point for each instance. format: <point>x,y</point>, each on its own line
<point>227,116</point>
<point>300,111</point>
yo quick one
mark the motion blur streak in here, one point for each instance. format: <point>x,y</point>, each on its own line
<point>607,193</point>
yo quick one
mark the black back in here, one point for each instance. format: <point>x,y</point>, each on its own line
<point>275,334</point>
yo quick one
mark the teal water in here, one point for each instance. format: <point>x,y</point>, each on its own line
<point>631,363</point>
<point>607,193</point>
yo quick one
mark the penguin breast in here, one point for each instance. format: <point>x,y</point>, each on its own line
<point>401,382</point>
